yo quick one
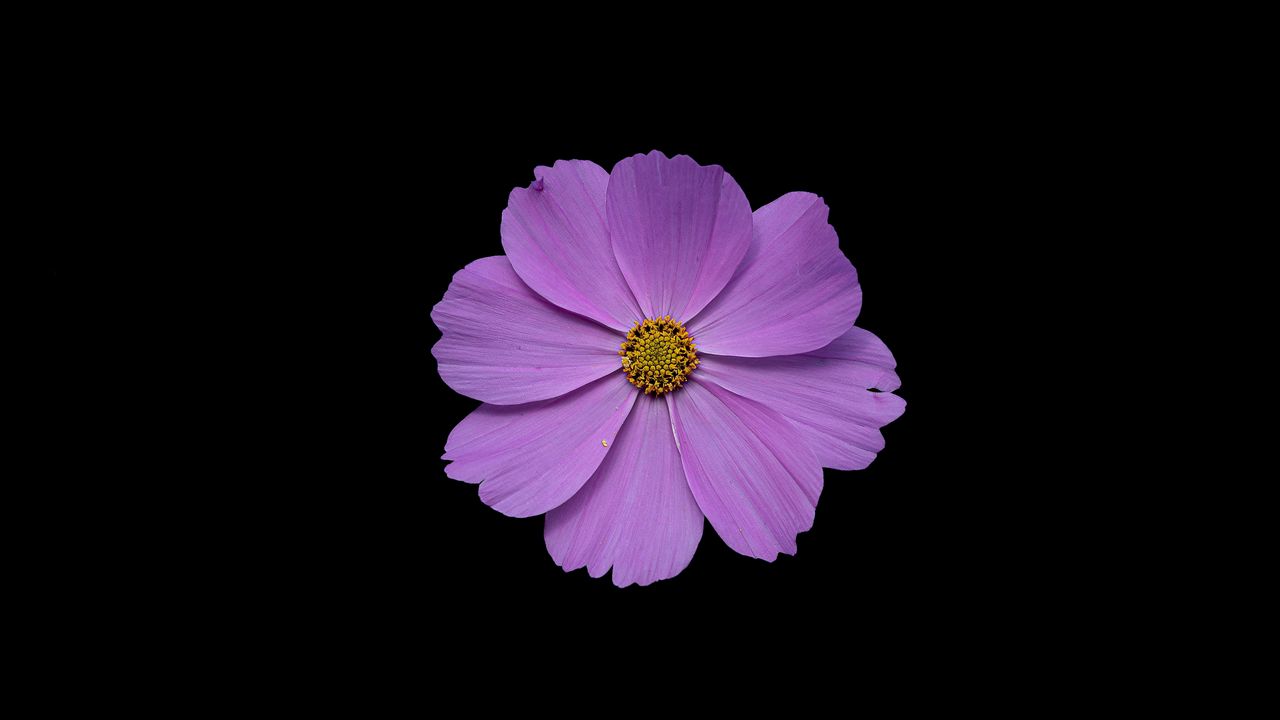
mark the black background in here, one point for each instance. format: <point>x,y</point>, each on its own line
<point>247,260</point>
<point>302,421</point>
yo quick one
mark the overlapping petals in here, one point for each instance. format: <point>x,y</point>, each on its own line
<point>794,292</point>
<point>556,238</point>
<point>503,344</point>
<point>753,475</point>
<point>636,514</point>
<point>530,458</point>
<point>825,394</point>
<point>786,384</point>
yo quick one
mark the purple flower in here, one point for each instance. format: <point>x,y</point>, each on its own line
<point>600,409</point>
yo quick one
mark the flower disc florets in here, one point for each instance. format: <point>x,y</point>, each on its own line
<point>659,355</point>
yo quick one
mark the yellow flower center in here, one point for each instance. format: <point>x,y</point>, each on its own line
<point>659,355</point>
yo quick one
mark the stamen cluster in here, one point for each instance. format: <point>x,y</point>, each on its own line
<point>659,355</point>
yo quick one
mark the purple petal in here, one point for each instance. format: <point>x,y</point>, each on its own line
<point>531,458</point>
<point>636,513</point>
<point>822,393</point>
<point>555,236</point>
<point>874,363</point>
<point>679,230</point>
<point>751,472</point>
<point>503,344</point>
<point>794,292</point>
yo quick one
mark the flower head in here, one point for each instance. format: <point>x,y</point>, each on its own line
<point>649,353</point>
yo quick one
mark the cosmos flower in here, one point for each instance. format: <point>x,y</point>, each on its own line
<point>650,352</point>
